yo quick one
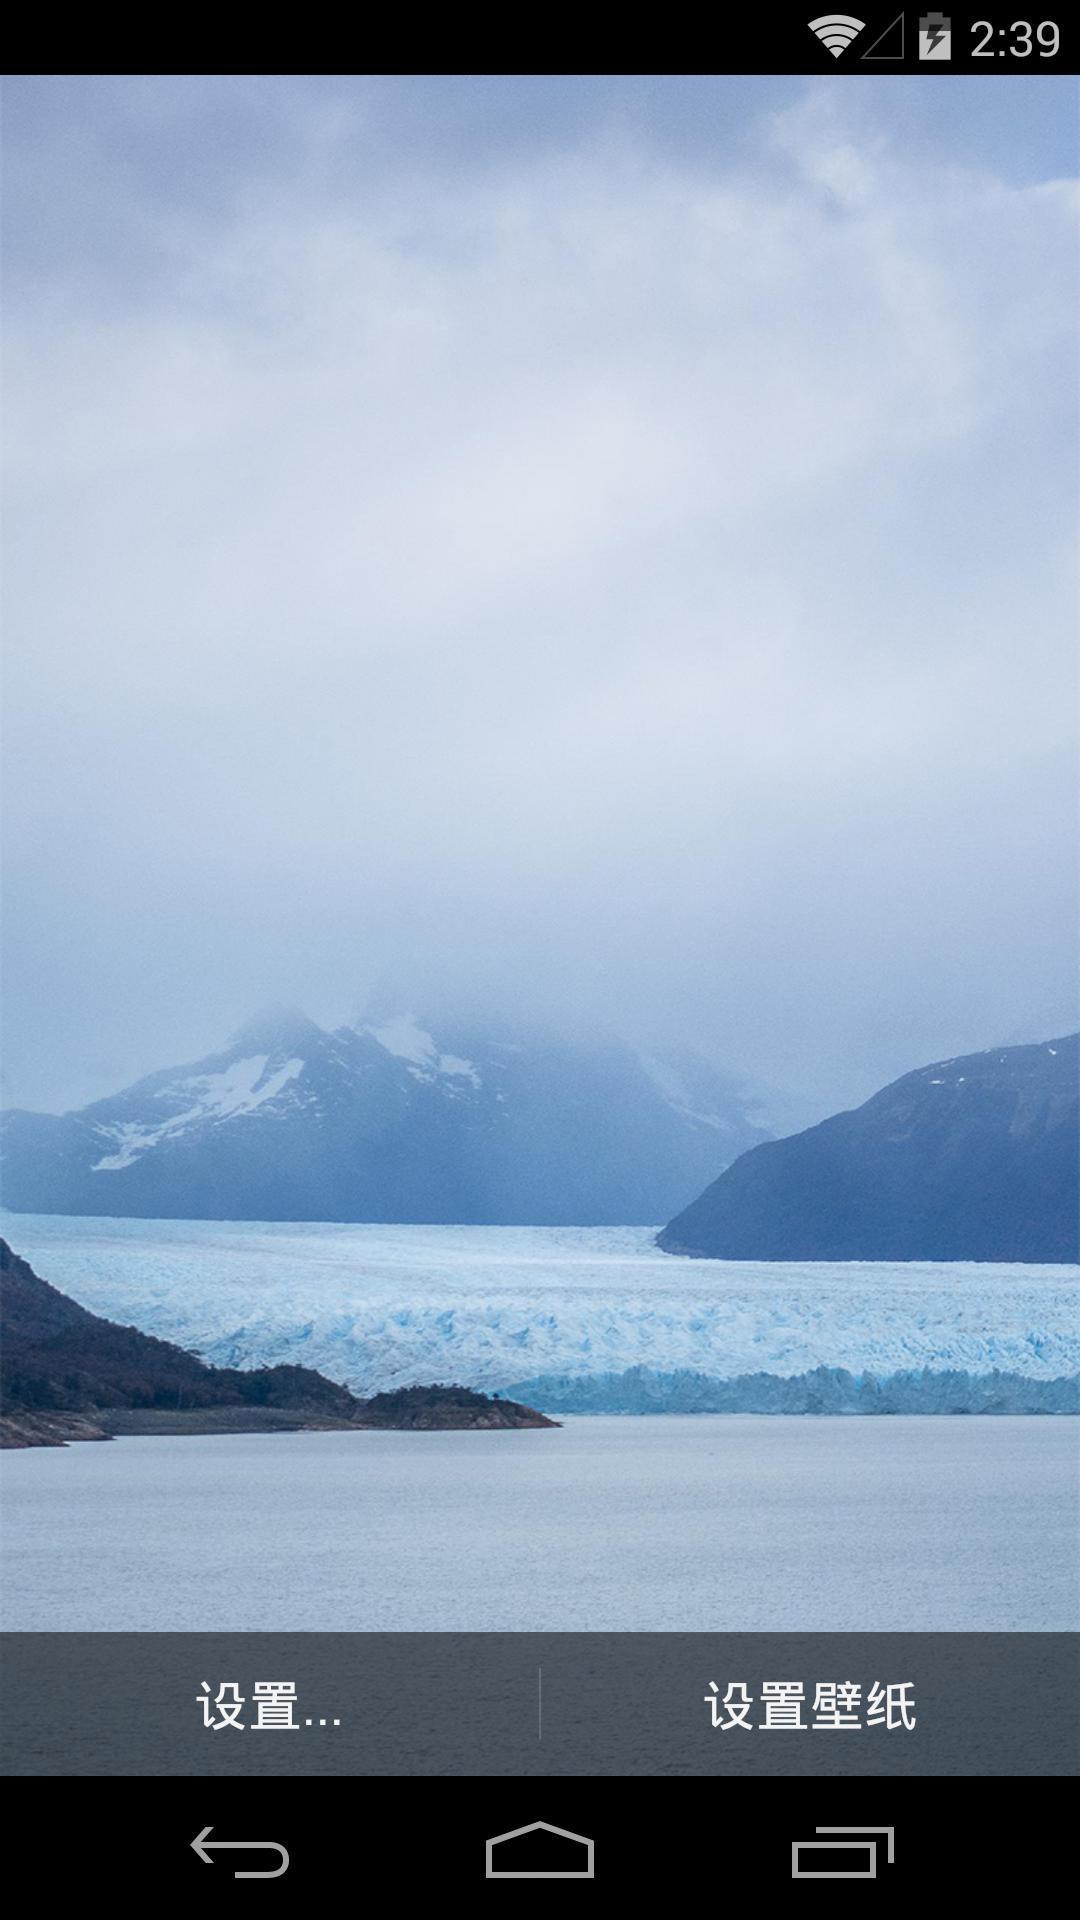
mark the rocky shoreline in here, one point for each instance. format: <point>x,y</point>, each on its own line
<point>442,1415</point>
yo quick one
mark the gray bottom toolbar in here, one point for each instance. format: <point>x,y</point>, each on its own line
<point>539,1704</point>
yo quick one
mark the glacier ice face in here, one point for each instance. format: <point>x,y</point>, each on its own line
<point>825,1390</point>
<point>380,1307</point>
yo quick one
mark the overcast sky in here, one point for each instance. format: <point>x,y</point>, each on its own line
<point>601,548</point>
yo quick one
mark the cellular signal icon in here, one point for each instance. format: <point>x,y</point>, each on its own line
<point>836,31</point>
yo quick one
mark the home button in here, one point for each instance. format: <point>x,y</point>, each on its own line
<point>540,1852</point>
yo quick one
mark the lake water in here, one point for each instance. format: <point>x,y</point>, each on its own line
<point>652,1524</point>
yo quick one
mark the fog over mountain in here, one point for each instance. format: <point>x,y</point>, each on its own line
<point>386,1120</point>
<point>603,565</point>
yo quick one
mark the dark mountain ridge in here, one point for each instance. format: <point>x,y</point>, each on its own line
<point>968,1159</point>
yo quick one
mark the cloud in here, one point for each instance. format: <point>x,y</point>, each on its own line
<point>533,567</point>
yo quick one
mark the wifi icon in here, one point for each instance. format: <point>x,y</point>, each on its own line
<point>836,31</point>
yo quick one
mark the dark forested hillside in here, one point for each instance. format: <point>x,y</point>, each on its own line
<point>54,1354</point>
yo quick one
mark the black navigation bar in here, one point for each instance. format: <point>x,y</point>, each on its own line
<point>503,1843</point>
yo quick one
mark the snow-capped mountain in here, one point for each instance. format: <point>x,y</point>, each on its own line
<point>388,1120</point>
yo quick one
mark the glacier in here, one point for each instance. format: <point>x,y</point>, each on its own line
<point>827,1390</point>
<point>492,1307</point>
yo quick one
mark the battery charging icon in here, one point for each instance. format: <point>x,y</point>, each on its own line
<point>935,37</point>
